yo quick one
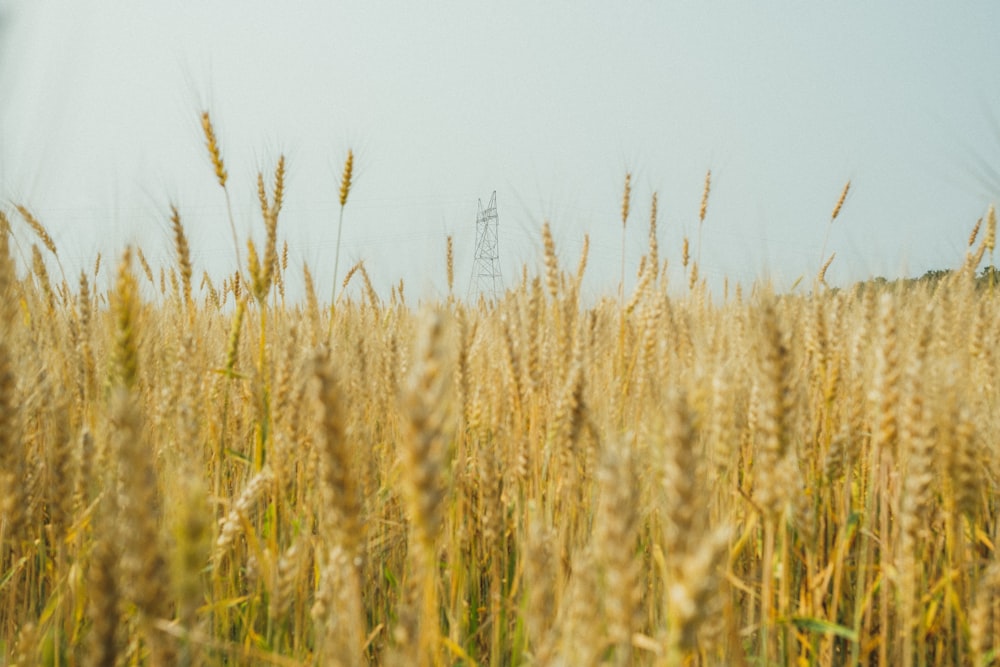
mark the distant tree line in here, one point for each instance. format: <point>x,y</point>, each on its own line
<point>989,276</point>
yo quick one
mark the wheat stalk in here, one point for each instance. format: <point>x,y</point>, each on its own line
<point>346,178</point>
<point>215,155</point>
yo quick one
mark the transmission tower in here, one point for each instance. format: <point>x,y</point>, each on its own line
<point>486,279</point>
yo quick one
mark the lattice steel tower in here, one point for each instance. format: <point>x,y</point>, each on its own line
<point>486,279</point>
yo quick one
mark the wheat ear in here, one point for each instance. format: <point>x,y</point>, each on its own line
<point>183,251</point>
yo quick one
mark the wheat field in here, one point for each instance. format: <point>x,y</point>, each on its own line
<point>220,476</point>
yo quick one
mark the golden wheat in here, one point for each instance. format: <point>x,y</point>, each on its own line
<point>547,478</point>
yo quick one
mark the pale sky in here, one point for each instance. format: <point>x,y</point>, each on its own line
<point>548,103</point>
